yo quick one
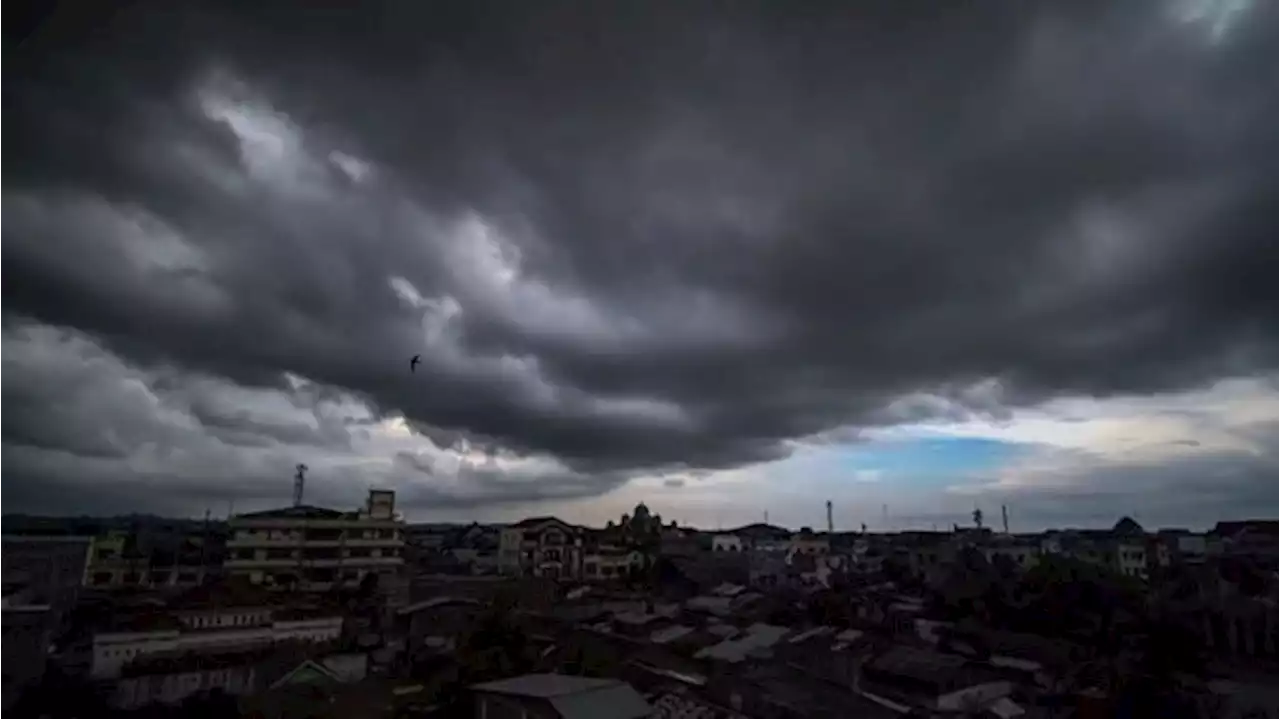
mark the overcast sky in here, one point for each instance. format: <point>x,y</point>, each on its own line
<point>723,258</point>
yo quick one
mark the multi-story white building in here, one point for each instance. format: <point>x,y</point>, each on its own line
<point>1130,559</point>
<point>542,547</point>
<point>314,549</point>
<point>209,619</point>
<point>727,543</point>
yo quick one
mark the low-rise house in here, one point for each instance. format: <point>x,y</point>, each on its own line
<point>169,678</point>
<point>806,542</point>
<point>1254,538</point>
<point>769,570</point>
<point>781,692</point>
<point>610,563</point>
<point>318,695</point>
<point>209,619</point>
<point>1130,558</point>
<point>1191,547</point>
<point>542,547</point>
<point>28,626</point>
<point>756,641</point>
<point>933,680</point>
<point>558,696</point>
<point>1021,555</point>
<point>434,625</point>
<point>727,543</point>
<point>682,543</point>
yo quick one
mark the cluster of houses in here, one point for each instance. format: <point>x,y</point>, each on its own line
<point>271,605</point>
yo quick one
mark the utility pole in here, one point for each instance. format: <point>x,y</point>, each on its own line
<point>831,526</point>
<point>1004,517</point>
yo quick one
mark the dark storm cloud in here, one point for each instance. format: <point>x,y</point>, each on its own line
<point>735,224</point>
<point>111,437</point>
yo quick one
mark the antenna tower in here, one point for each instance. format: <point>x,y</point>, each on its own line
<point>299,483</point>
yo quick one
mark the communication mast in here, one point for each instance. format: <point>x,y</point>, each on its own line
<point>299,483</point>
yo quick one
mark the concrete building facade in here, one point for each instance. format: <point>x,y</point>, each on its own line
<point>315,549</point>
<point>542,547</point>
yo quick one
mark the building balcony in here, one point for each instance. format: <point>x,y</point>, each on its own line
<point>287,523</point>
<point>342,562</point>
<point>248,542</point>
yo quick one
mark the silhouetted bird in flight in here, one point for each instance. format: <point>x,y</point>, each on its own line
<point>413,363</point>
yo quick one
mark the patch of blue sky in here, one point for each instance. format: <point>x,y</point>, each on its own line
<point>909,463</point>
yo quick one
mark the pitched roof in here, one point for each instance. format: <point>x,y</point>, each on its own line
<point>536,521</point>
<point>434,602</point>
<point>308,672</point>
<point>1257,526</point>
<point>1127,525</point>
<point>544,686</point>
<point>575,697</point>
<point>303,511</point>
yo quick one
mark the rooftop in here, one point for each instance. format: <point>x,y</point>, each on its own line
<point>758,637</point>
<point>304,511</point>
<point>186,661</point>
<point>545,686</point>
<point>535,521</point>
<point>1256,526</point>
<point>434,602</point>
<point>927,668</point>
<point>575,697</point>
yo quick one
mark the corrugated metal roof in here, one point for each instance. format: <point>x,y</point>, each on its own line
<point>616,702</point>
<point>436,602</point>
<point>758,637</point>
<point>671,633</point>
<point>544,686</point>
<point>575,697</point>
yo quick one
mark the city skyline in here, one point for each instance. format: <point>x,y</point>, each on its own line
<point>721,262</point>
